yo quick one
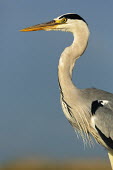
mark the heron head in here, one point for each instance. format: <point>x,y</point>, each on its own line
<point>67,22</point>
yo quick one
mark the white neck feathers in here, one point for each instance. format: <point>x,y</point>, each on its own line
<point>71,54</point>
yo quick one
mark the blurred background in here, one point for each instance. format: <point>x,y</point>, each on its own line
<point>32,124</point>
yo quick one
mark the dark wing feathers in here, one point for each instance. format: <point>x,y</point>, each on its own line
<point>107,140</point>
<point>103,120</point>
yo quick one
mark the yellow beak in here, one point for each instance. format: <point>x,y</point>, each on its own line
<point>45,26</point>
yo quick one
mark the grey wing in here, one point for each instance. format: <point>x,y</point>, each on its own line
<point>102,120</point>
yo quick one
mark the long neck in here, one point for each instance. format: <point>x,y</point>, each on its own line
<point>68,59</point>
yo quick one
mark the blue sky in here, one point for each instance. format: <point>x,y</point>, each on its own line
<point>31,120</point>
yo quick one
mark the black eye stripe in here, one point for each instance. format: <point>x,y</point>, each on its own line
<point>73,16</point>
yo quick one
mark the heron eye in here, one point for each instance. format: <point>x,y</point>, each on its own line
<point>63,20</point>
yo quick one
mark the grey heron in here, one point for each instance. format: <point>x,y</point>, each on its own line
<point>90,110</point>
